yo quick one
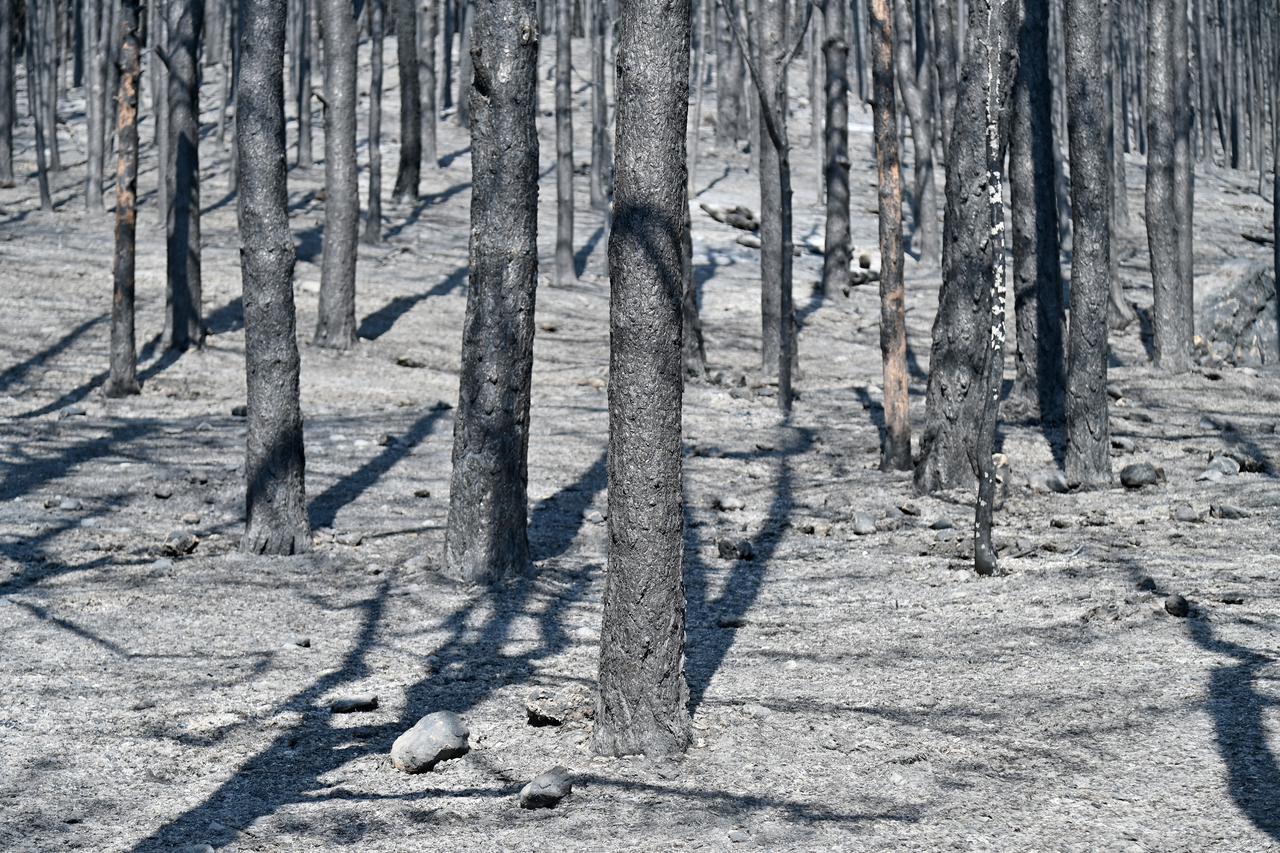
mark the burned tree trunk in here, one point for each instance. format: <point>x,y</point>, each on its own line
<point>769,19</point>
<point>122,378</point>
<point>914,78</point>
<point>1171,316</point>
<point>275,493</point>
<point>1184,170</point>
<point>601,162</point>
<point>427,56</point>
<point>949,448</point>
<point>336,323</point>
<point>836,249</point>
<point>302,80</point>
<point>564,143</point>
<point>730,84</point>
<point>1088,442</point>
<point>373,224</point>
<point>8,88</point>
<point>466,19</point>
<point>184,325</point>
<point>895,449</point>
<point>410,168</point>
<point>1037,267</point>
<point>36,9</point>
<point>487,534</point>
<point>642,704</point>
<point>95,81</point>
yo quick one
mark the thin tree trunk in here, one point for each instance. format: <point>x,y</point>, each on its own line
<point>336,322</point>
<point>158,34</point>
<point>122,378</point>
<point>35,97</point>
<point>275,494</point>
<point>94,83</point>
<point>730,84</point>
<point>836,245</point>
<point>48,70</point>
<point>487,534</point>
<point>913,78</point>
<point>947,60</point>
<point>466,17</point>
<point>8,86</point>
<point>185,327</point>
<point>1088,459</point>
<point>306,156</point>
<point>1171,316</point>
<point>373,224</point>
<point>696,83</point>
<point>1184,170</point>
<point>1037,266</point>
<point>427,56</point>
<point>643,698</point>
<point>446,53</point>
<point>601,164</point>
<point>951,450</point>
<point>895,446</point>
<point>410,168</point>
<point>564,143</point>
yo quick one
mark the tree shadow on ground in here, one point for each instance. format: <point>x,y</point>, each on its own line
<point>425,203</point>
<point>583,254</point>
<point>380,322</point>
<point>716,621</point>
<point>19,371</point>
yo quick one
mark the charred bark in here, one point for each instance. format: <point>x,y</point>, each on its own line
<point>914,78</point>
<point>564,143</point>
<point>373,223</point>
<point>409,170</point>
<point>487,534</point>
<point>275,492</point>
<point>7,89</point>
<point>122,377</point>
<point>643,698</point>
<point>427,56</point>
<point>601,154</point>
<point>184,325</point>
<point>836,250</point>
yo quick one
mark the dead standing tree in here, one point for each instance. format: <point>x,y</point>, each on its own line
<point>8,96</point>
<point>643,700</point>
<point>895,451</point>
<point>373,223</point>
<point>836,245</point>
<point>564,142</point>
<point>184,325</point>
<point>410,167</point>
<point>487,535</point>
<point>275,492</point>
<point>915,82</point>
<point>122,378</point>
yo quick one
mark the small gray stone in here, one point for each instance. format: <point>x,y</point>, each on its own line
<point>1176,605</point>
<point>1060,522</point>
<point>179,543</point>
<point>594,516</point>
<point>163,491</point>
<point>1185,513</point>
<point>1055,482</point>
<point>729,503</point>
<point>941,523</point>
<point>738,836</point>
<point>1211,475</point>
<point>300,642</point>
<point>1123,443</point>
<point>572,704</point>
<point>1227,512</point>
<point>436,737</point>
<point>863,524</point>
<point>69,504</point>
<point>547,789</point>
<point>1139,474</point>
<point>190,518</point>
<point>240,411</point>
<point>1146,584</point>
<point>1225,464</point>
<point>353,704</point>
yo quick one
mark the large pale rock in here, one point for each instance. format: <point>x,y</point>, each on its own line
<point>1235,309</point>
<point>436,737</point>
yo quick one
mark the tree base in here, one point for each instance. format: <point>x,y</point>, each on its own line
<point>284,543</point>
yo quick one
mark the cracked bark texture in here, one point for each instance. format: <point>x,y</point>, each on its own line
<point>1088,459</point>
<point>1033,206</point>
<point>564,142</point>
<point>184,325</point>
<point>601,155</point>
<point>642,705</point>
<point>336,323</point>
<point>487,535</point>
<point>275,492</point>
<point>914,77</point>
<point>122,377</point>
<point>409,171</point>
<point>373,222</point>
<point>835,48</point>
<point>895,446</point>
<point>8,96</point>
<point>948,447</point>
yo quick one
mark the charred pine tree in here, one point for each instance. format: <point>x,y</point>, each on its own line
<point>1171,316</point>
<point>275,492</point>
<point>36,10</point>
<point>302,81</point>
<point>950,448</point>
<point>601,155</point>
<point>947,62</point>
<point>466,21</point>
<point>410,168</point>
<point>373,224</point>
<point>7,89</point>
<point>1088,440</point>
<point>1037,267</point>
<point>1001,23</point>
<point>836,248</point>
<point>184,325</point>
<point>122,378</point>
<point>643,700</point>
<point>1184,165</point>
<point>427,57</point>
<point>336,322</point>
<point>564,142</point>
<point>95,82</point>
<point>915,82</point>
<point>895,450</point>
<point>730,84</point>
<point>487,535</point>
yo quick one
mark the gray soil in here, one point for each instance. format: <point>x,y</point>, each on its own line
<point>848,692</point>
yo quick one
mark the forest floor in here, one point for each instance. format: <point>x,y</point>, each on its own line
<point>848,692</point>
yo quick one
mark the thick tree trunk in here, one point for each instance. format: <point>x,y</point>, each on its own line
<point>643,699</point>
<point>950,450</point>
<point>427,56</point>
<point>564,143</point>
<point>1088,441</point>
<point>1171,316</point>
<point>410,169</point>
<point>8,85</point>
<point>601,158</point>
<point>895,449</point>
<point>336,323</point>
<point>1037,266</point>
<point>184,325</point>
<point>36,10</point>
<point>487,534</point>
<point>836,246</point>
<point>302,80</point>
<point>275,493</point>
<point>914,79</point>
<point>373,224</point>
<point>122,378</point>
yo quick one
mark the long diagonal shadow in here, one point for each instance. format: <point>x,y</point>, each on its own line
<point>19,371</point>
<point>380,322</point>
